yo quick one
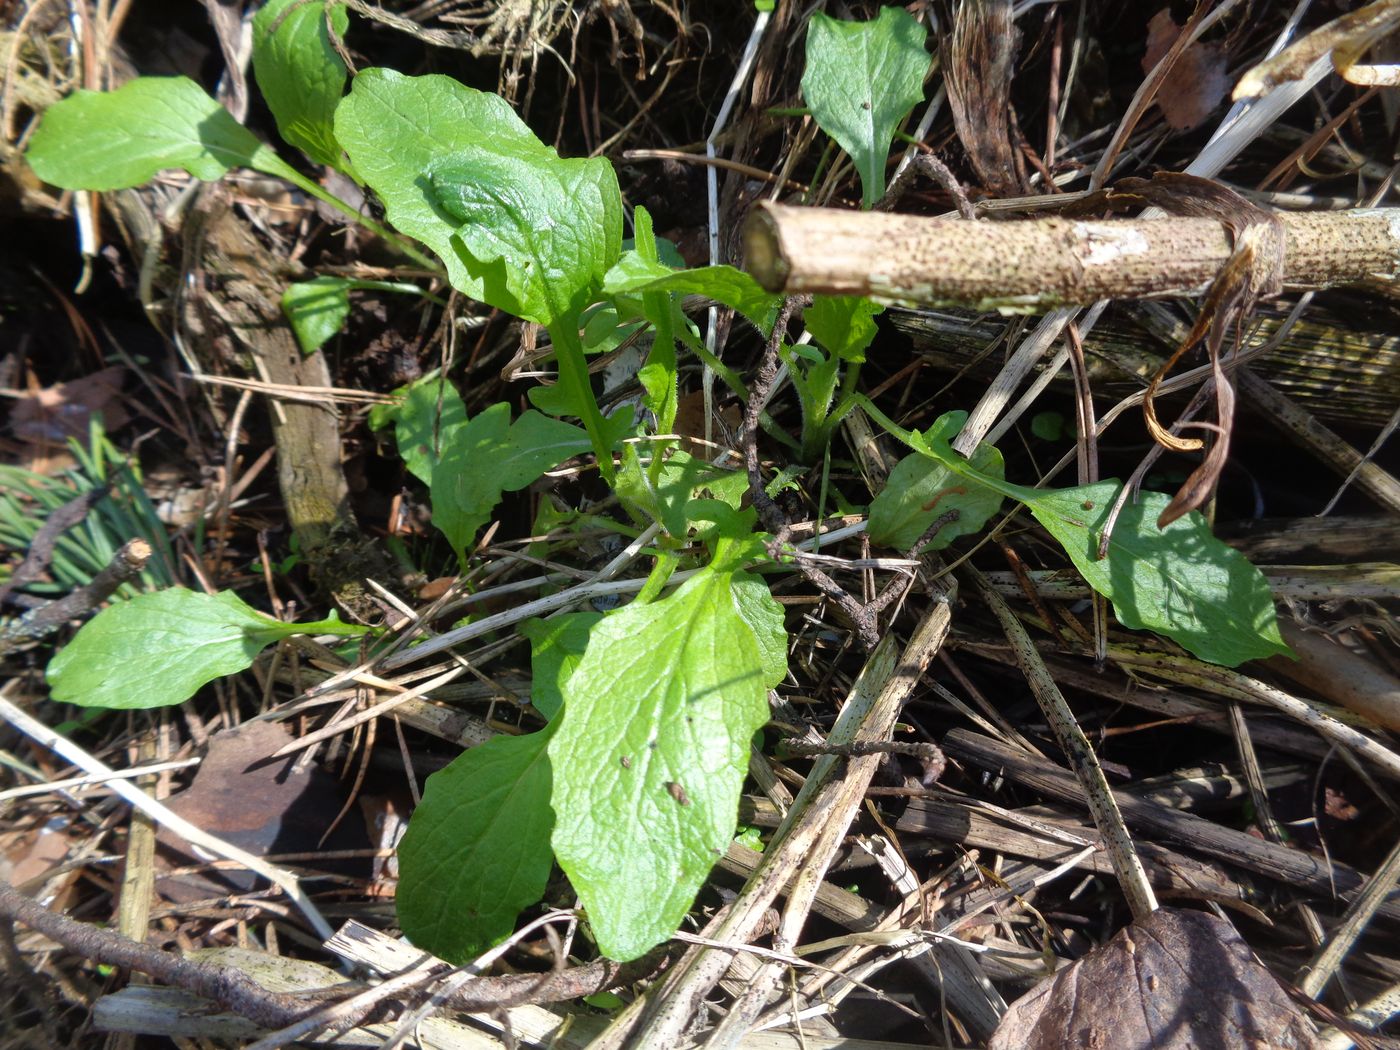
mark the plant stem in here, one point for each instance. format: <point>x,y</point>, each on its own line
<point>286,171</point>
<point>573,374</point>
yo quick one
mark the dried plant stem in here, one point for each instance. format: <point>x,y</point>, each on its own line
<point>1127,865</point>
<point>1038,264</point>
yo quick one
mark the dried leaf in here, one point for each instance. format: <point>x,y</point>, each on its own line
<point>978,60</point>
<point>1196,82</point>
<point>1253,272</point>
<point>1176,980</point>
<point>263,805</point>
<point>1347,38</point>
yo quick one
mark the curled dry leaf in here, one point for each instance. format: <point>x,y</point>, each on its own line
<point>1197,81</point>
<point>1346,39</point>
<point>1176,980</point>
<point>1253,272</point>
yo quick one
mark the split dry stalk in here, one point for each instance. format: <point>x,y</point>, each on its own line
<point>1039,264</point>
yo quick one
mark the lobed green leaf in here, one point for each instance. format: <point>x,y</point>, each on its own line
<point>635,275</point>
<point>490,456</point>
<point>844,324</point>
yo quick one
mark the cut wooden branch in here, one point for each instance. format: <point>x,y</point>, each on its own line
<point>1040,264</point>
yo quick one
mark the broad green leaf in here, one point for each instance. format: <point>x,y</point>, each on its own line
<point>650,757</point>
<point>921,490</point>
<point>157,649</point>
<point>765,618</point>
<point>557,646</point>
<point>861,80</point>
<point>426,421</point>
<point>111,140</point>
<point>317,309</point>
<point>1179,581</point>
<point>634,275</point>
<point>489,456</point>
<point>844,324</point>
<point>477,848</point>
<point>538,231</point>
<point>300,74</point>
<point>397,129</point>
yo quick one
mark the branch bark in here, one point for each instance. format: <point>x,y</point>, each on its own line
<point>1039,264</point>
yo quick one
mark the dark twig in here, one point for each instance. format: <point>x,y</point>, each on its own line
<point>40,552</point>
<point>227,987</point>
<point>769,512</point>
<point>38,623</point>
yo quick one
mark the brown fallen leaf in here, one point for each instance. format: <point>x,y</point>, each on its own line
<point>1197,82</point>
<point>1177,980</point>
<point>266,806</point>
<point>53,414</point>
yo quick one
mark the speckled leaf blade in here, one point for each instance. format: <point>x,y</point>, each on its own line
<point>861,80</point>
<point>477,847</point>
<point>921,490</point>
<point>650,758</point>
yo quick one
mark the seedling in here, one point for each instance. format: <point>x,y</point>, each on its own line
<point>651,708</point>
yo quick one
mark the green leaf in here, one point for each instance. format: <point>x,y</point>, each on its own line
<point>658,376</point>
<point>765,618</point>
<point>921,490</point>
<point>1048,426</point>
<point>650,757</point>
<point>538,232</point>
<point>96,140</point>
<point>1179,581</point>
<point>158,649</point>
<point>844,324</point>
<point>662,492</point>
<point>426,421</point>
<point>477,847</point>
<point>861,80</point>
<point>557,646</point>
<point>634,275</point>
<point>317,309</point>
<point>399,129</point>
<point>300,74</point>
<point>489,456</point>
